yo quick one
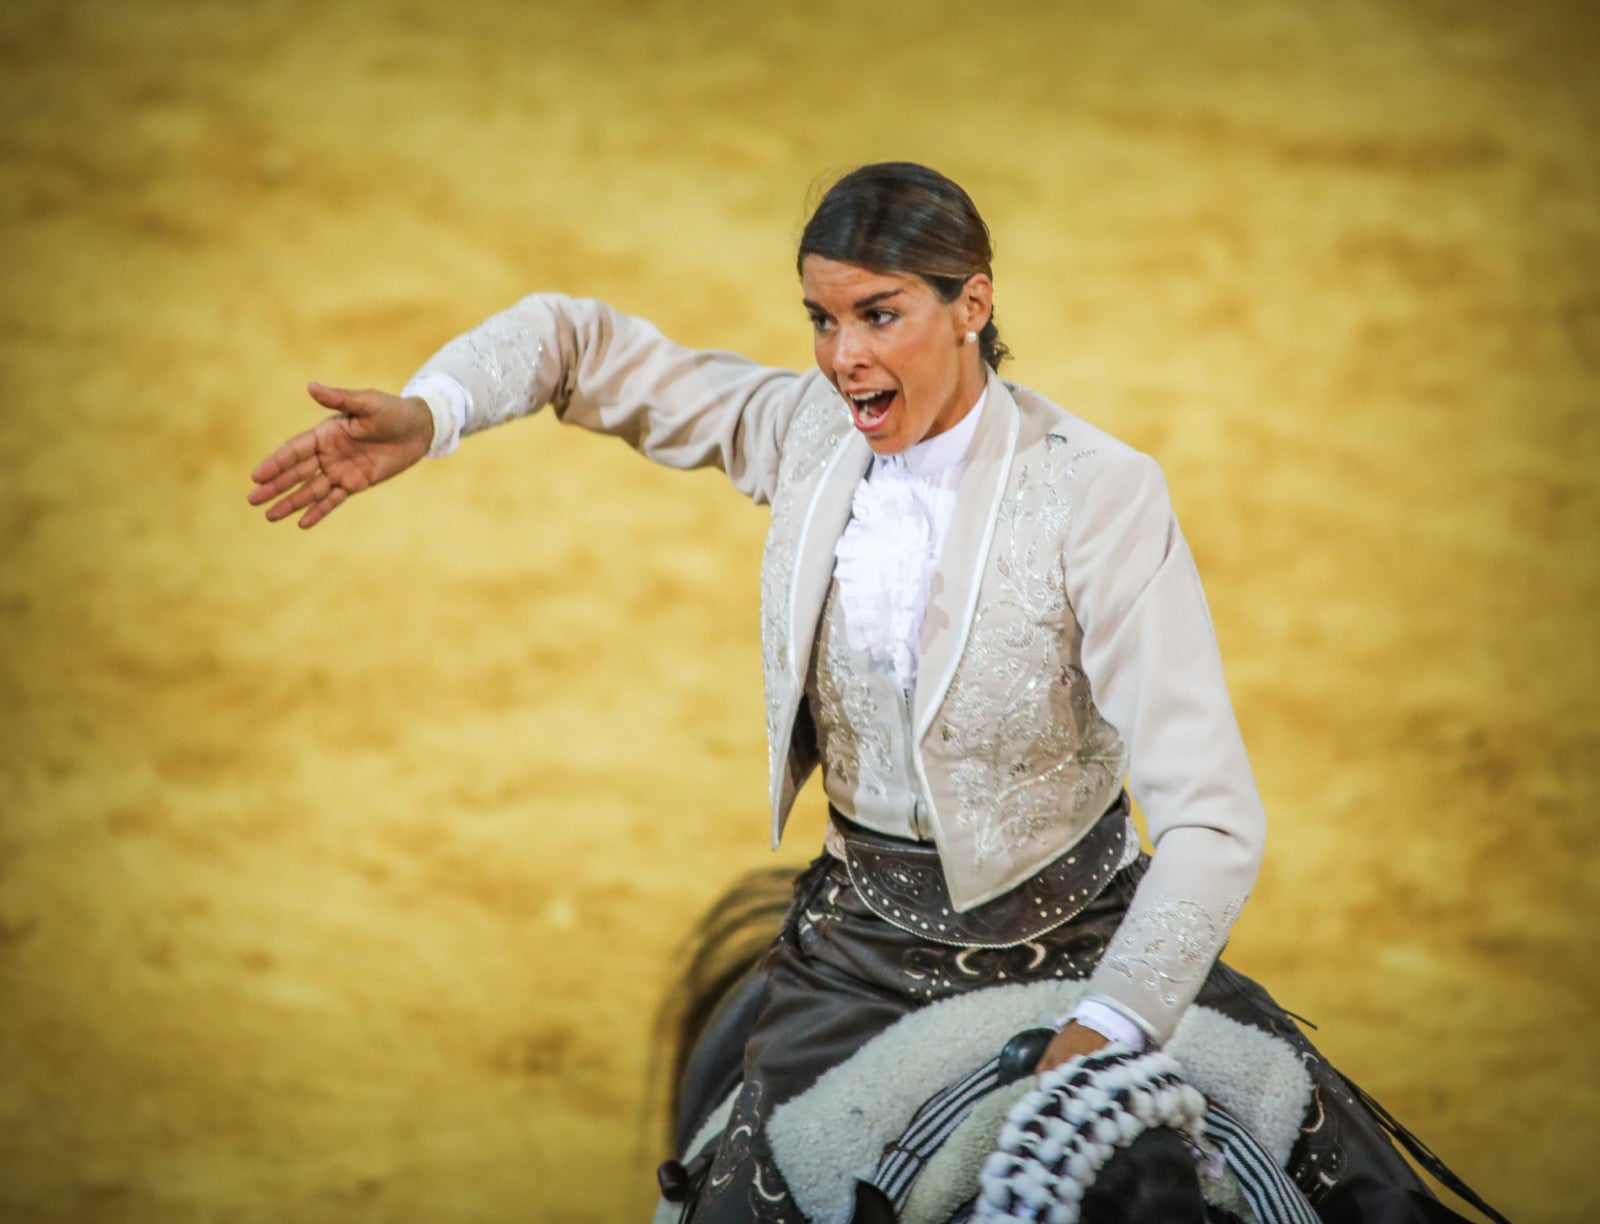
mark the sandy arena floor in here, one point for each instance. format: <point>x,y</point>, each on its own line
<point>339,872</point>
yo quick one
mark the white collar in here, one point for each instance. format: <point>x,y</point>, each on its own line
<point>942,451</point>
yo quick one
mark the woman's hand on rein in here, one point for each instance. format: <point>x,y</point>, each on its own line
<point>374,436</point>
<point>1071,1041</point>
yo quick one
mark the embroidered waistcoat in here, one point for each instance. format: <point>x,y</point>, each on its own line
<point>1014,763</point>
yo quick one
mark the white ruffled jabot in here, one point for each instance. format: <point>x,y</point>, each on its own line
<point>884,560</point>
<point>883,563</point>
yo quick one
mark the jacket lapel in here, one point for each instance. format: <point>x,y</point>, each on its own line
<point>824,522</point>
<point>958,574</point>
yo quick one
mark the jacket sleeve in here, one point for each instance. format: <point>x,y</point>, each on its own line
<point>615,374</point>
<point>1151,656</point>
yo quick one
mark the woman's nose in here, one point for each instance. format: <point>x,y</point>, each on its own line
<point>849,353</point>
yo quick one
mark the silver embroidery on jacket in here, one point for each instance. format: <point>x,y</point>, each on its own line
<point>809,441</point>
<point>1024,745</point>
<point>852,731</point>
<point>507,349</point>
<point>1165,947</point>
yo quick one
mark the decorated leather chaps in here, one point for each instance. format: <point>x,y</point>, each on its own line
<point>839,975</point>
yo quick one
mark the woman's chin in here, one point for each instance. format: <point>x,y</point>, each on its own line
<point>882,431</point>
<point>885,442</point>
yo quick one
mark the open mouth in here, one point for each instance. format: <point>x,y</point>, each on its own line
<point>870,408</point>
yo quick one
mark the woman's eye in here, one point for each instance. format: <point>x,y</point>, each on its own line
<point>880,318</point>
<point>819,322</point>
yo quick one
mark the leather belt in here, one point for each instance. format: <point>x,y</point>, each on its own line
<point>903,883</point>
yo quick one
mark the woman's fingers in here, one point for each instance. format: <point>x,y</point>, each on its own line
<point>374,436</point>
<point>298,499</point>
<point>267,489</point>
<point>328,397</point>
<point>346,399</point>
<point>318,497</point>
<point>323,507</point>
<point>297,449</point>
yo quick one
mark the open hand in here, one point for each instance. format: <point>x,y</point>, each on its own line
<point>374,436</point>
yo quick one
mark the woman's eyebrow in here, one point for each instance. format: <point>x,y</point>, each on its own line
<point>872,299</point>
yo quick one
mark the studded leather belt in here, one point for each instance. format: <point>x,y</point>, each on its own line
<point>902,882</point>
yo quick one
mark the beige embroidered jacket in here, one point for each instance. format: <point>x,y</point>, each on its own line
<point>1066,635</point>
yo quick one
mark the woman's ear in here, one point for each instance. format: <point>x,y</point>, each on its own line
<point>977,301</point>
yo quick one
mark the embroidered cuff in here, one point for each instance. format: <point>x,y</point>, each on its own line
<point>447,402</point>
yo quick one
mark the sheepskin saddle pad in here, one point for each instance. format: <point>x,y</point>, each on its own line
<point>833,1133</point>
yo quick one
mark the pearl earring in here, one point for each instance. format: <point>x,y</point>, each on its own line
<point>972,337</point>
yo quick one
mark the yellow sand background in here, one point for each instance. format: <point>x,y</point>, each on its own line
<point>339,872</point>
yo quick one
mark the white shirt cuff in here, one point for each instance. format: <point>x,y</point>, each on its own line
<point>447,401</point>
<point>1107,1020</point>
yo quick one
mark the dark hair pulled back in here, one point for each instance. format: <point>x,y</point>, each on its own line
<point>899,217</point>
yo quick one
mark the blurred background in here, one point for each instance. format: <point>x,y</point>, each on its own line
<point>340,872</point>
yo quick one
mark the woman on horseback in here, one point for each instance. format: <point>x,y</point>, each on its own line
<point>979,618</point>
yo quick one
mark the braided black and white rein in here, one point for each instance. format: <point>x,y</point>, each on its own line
<point>1058,1137</point>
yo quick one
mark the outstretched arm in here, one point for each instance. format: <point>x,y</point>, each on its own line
<point>616,374</point>
<point>599,368</point>
<point>374,436</point>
